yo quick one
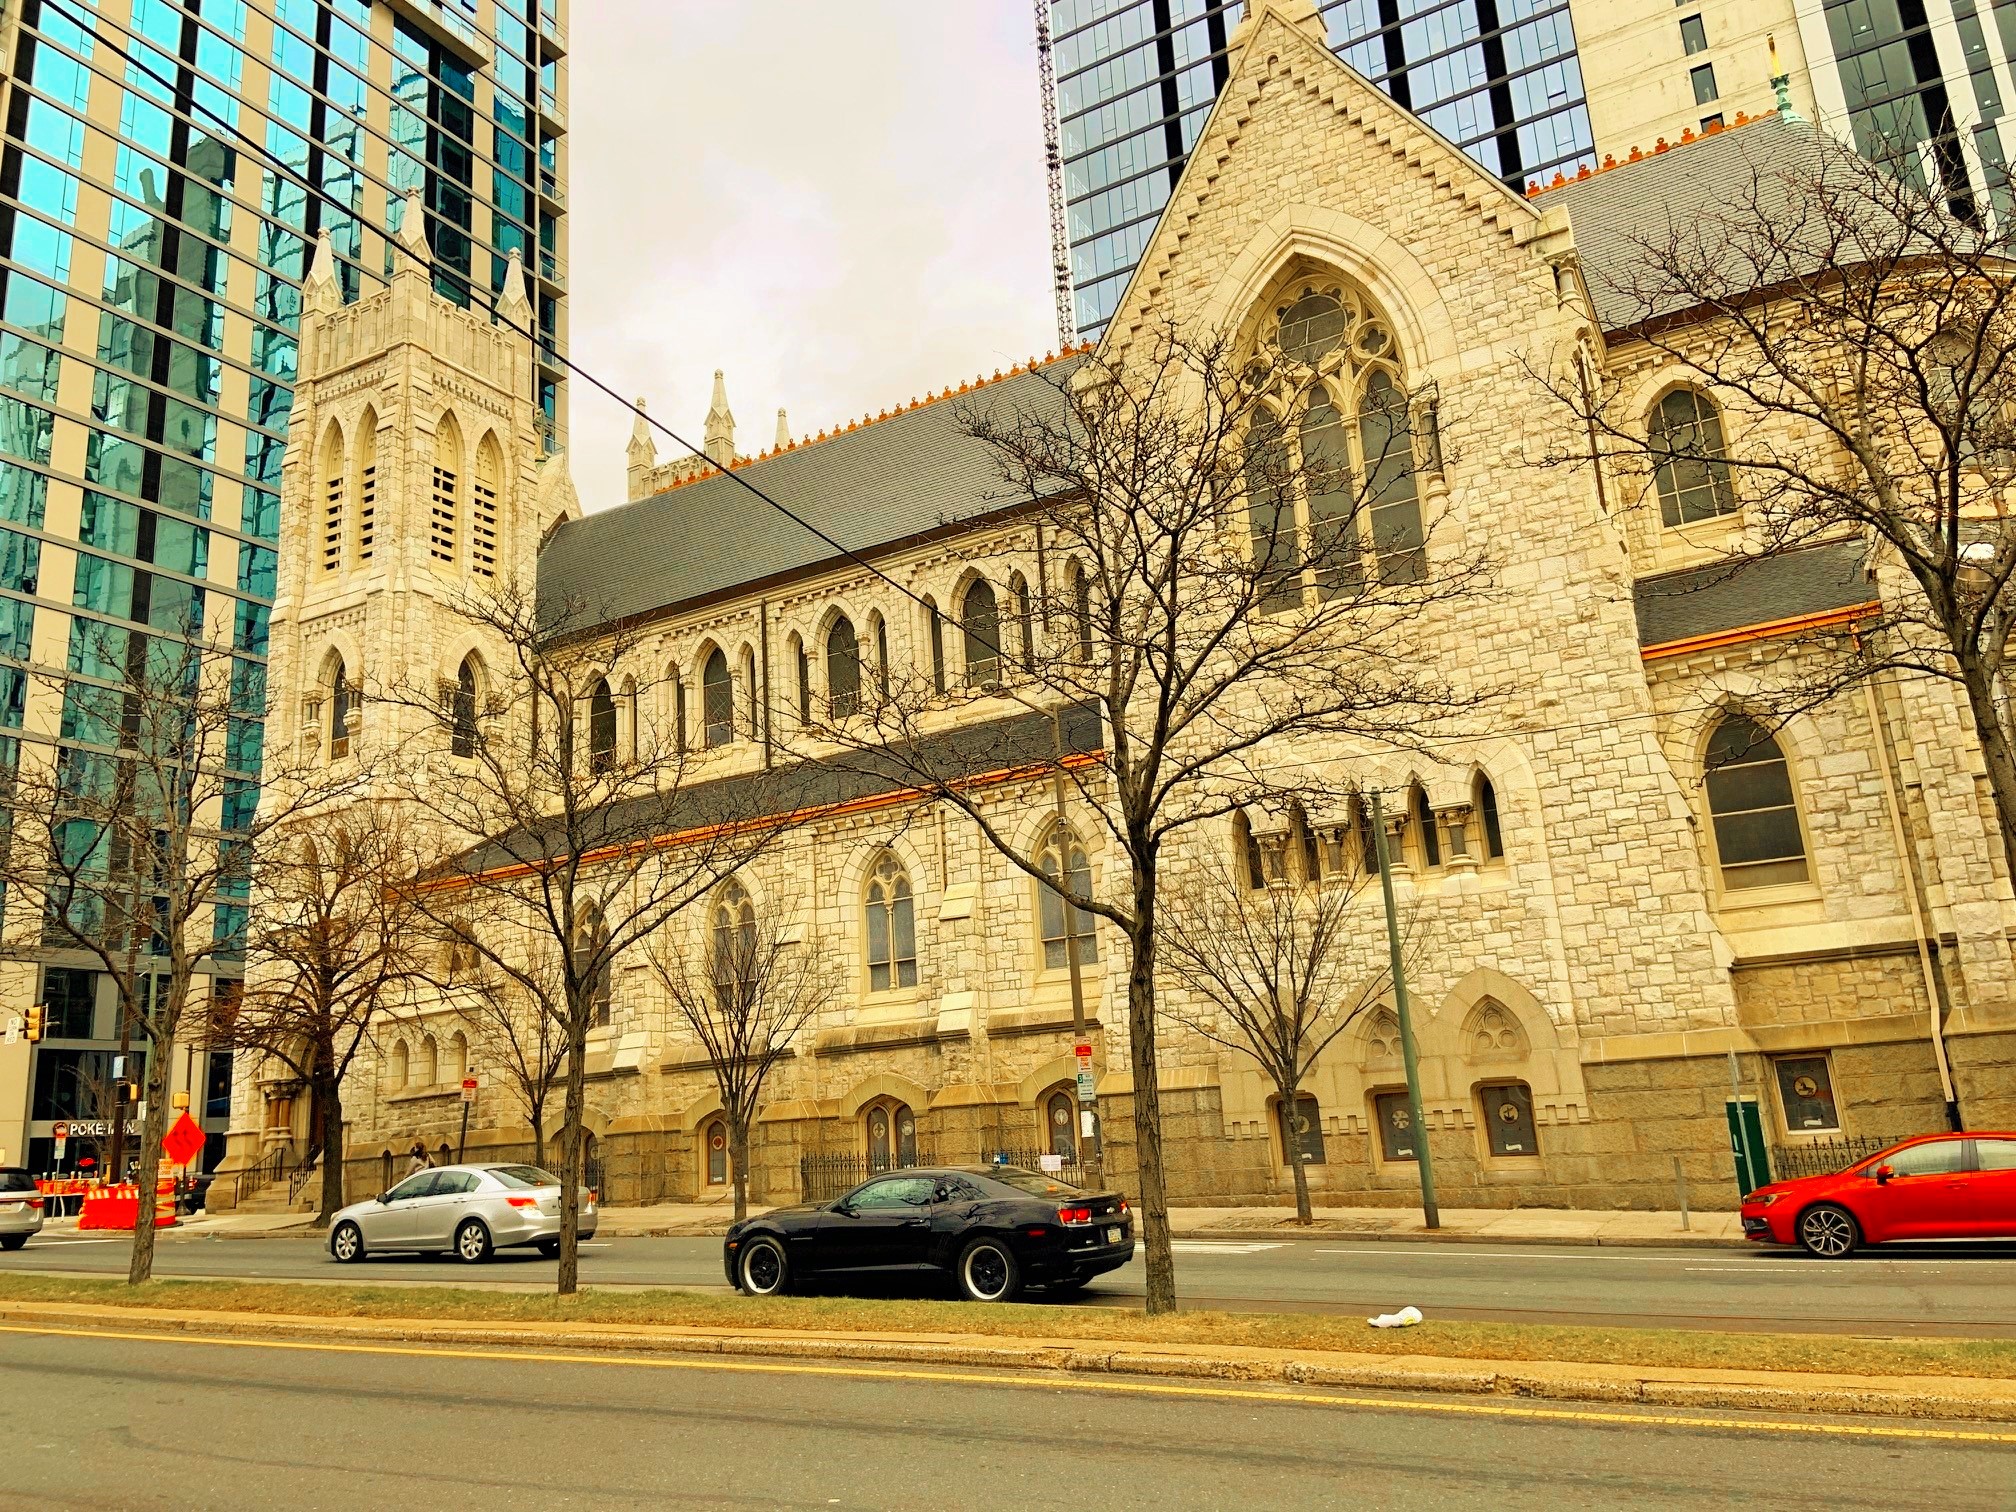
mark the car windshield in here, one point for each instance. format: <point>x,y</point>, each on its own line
<point>1035,1183</point>
<point>1889,1156</point>
<point>524,1176</point>
<point>16,1181</point>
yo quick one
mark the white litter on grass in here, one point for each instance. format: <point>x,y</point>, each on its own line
<point>1407,1317</point>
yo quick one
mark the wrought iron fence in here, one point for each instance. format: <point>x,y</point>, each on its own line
<point>1031,1159</point>
<point>1823,1157</point>
<point>824,1177</point>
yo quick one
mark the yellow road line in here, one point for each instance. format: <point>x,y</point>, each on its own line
<point>1054,1380</point>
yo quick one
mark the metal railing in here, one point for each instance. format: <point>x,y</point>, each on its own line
<point>269,1168</point>
<point>1823,1157</point>
<point>824,1177</point>
<point>1030,1158</point>
<point>300,1179</point>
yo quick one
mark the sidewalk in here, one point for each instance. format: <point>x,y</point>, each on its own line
<point>1459,1225</point>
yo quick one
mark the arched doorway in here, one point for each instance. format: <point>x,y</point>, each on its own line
<point>714,1140</point>
<point>1060,1124</point>
<point>892,1135</point>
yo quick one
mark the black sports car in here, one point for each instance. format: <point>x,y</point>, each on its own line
<point>990,1228</point>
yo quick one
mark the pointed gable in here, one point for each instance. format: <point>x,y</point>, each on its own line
<point>1298,135</point>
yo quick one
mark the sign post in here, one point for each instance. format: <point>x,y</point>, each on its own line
<point>468,1101</point>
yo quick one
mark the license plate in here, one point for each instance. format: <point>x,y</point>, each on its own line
<point>1112,1236</point>
<point>13,1207</point>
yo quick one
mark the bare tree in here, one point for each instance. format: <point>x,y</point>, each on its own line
<point>1275,970</point>
<point>569,833</point>
<point>1225,572</point>
<point>744,987</point>
<point>131,843</point>
<point>336,942</point>
<point>1854,332</point>
<point>510,1032</point>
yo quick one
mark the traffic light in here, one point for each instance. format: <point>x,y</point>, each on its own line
<point>34,1022</point>
<point>126,1091</point>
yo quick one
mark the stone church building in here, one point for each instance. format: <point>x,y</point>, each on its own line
<point>1604,921</point>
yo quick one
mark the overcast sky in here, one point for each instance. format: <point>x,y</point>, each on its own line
<point>838,202</point>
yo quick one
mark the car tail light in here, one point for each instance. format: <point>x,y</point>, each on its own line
<point>34,1202</point>
<point>1123,1206</point>
<point>529,1202</point>
<point>1074,1215</point>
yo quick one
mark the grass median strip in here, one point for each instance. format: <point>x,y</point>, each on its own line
<point>1985,1358</point>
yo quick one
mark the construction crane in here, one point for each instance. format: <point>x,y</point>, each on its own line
<point>1053,163</point>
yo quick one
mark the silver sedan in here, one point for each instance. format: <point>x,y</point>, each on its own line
<point>467,1210</point>
<point>20,1208</point>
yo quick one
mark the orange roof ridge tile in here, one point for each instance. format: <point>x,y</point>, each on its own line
<point>948,392</point>
<point>1688,136</point>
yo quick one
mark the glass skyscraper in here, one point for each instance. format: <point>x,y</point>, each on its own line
<point>151,258</point>
<point>1136,78</point>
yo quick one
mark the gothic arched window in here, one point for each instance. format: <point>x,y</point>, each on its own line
<point>444,522</point>
<point>342,709</point>
<point>733,945</point>
<point>934,627</point>
<point>717,700</point>
<point>980,625</point>
<point>1692,469</point>
<point>483,509</point>
<point>1755,814</point>
<point>1062,851</point>
<point>892,926</point>
<point>463,734</point>
<point>601,727</point>
<point>1330,501</point>
<point>332,499</point>
<point>843,668</point>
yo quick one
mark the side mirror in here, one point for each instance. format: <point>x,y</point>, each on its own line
<point>383,1197</point>
<point>1883,1175</point>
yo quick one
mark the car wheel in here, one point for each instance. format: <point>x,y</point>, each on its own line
<point>987,1271</point>
<point>1829,1231</point>
<point>764,1270</point>
<point>472,1243</point>
<point>12,1242</point>
<point>550,1248</point>
<point>347,1243</point>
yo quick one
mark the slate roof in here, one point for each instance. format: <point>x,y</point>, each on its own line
<point>1615,210</point>
<point>1733,596</point>
<point>881,483</point>
<point>1016,741</point>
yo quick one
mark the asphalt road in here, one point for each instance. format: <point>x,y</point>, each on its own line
<point>159,1422</point>
<point>1965,1290</point>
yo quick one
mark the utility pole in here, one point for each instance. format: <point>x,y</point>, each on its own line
<point>1091,1165</point>
<point>1431,1213</point>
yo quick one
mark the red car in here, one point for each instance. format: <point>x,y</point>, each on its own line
<point>1937,1186</point>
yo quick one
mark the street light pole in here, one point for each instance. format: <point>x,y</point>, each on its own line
<point>1431,1213</point>
<point>1090,1161</point>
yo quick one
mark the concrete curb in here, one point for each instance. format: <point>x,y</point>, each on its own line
<point>1942,1398</point>
<point>1444,1236</point>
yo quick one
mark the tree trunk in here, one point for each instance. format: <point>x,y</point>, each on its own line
<point>538,1122</point>
<point>152,1127</point>
<point>1291,1107</point>
<point>1148,1114</point>
<point>1996,751</point>
<point>329,1103</point>
<point>572,1150</point>
<point>738,1165</point>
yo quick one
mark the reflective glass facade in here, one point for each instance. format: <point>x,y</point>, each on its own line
<point>1136,78</point>
<point>150,271</point>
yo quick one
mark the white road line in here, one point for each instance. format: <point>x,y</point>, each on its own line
<point>1219,1247</point>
